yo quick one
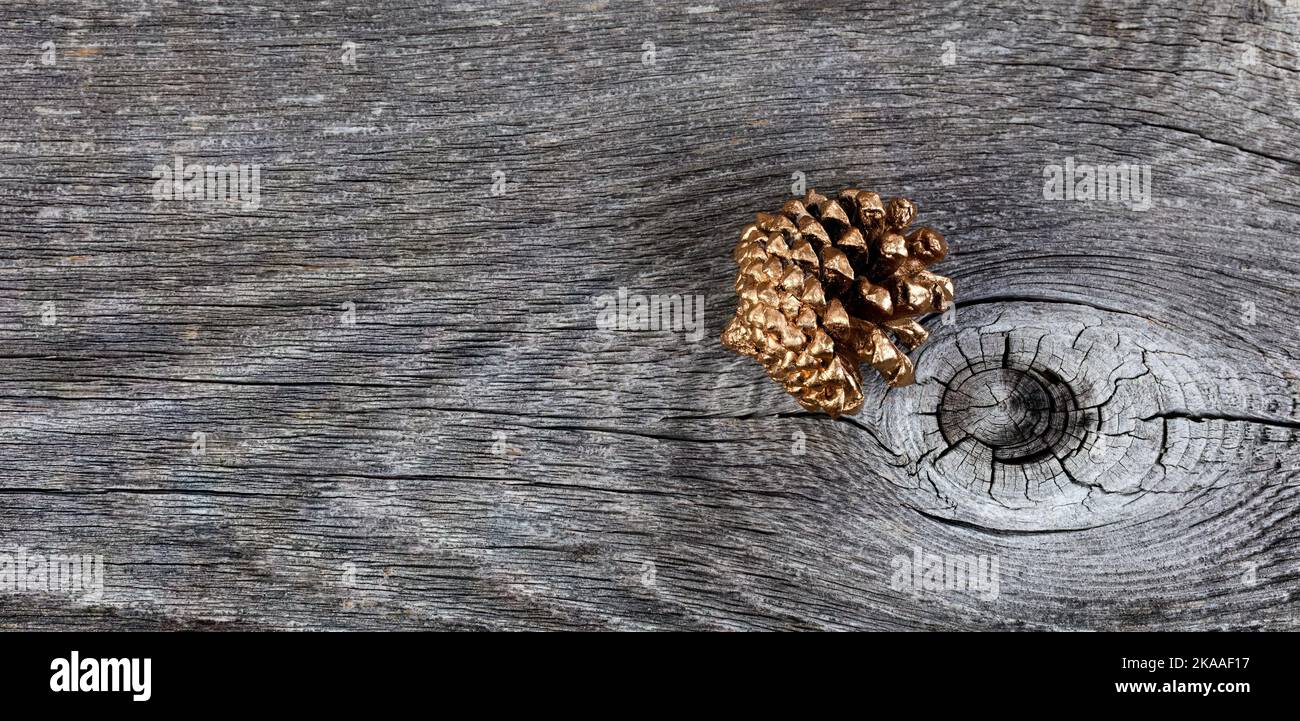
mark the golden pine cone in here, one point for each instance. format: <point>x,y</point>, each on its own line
<point>828,283</point>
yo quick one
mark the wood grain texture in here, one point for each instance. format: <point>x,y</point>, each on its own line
<point>474,453</point>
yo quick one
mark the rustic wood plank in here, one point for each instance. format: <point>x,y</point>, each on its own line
<point>412,419</point>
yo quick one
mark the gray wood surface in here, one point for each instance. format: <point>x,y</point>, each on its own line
<point>463,447</point>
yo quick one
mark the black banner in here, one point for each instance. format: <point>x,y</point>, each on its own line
<point>211,671</point>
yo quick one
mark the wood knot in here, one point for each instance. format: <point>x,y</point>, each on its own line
<point>1021,415</point>
<point>1053,416</point>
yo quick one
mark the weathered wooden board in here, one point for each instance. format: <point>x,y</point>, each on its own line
<point>411,418</point>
